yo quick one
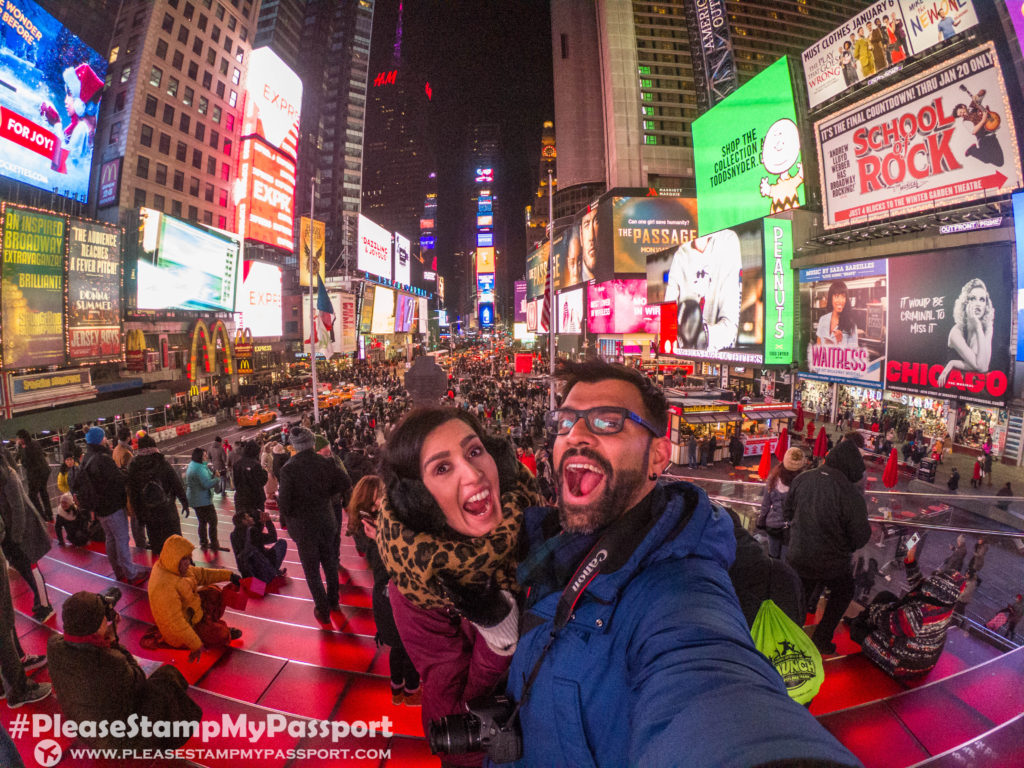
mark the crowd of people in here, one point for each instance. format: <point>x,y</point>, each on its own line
<point>517,551</point>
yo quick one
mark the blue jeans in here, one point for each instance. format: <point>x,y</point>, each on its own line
<point>115,526</point>
<point>8,752</point>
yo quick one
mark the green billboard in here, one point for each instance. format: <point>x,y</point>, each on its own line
<point>780,293</point>
<point>747,153</point>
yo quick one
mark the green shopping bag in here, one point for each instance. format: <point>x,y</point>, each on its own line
<point>790,651</point>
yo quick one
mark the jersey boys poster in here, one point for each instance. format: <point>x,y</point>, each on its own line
<point>945,137</point>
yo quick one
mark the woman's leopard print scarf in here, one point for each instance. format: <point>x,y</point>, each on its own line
<point>414,560</point>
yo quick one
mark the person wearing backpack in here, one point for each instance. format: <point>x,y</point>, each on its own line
<point>199,482</point>
<point>100,489</point>
<point>153,486</point>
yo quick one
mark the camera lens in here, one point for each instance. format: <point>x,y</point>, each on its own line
<point>454,735</point>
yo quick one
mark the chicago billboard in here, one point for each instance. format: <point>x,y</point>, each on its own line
<point>93,292</point>
<point>747,153</point>
<point>51,85</point>
<point>944,137</point>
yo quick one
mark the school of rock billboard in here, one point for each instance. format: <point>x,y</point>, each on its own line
<point>945,137</point>
<point>880,37</point>
<point>94,292</point>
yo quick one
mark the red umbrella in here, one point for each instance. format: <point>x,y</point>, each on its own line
<point>766,463</point>
<point>782,445</point>
<point>798,425</point>
<point>821,443</point>
<point>810,431</point>
<point>891,473</point>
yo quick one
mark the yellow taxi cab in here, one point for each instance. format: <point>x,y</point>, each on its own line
<point>256,418</point>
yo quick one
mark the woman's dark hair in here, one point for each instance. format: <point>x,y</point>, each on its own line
<point>197,455</point>
<point>780,473</point>
<point>411,502</point>
<point>250,449</point>
<point>363,499</point>
<point>846,324</point>
<point>147,441</point>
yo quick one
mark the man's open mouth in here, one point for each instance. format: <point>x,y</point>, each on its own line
<point>581,477</point>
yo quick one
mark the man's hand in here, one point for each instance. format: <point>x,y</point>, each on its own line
<point>194,656</point>
<point>236,579</point>
<point>185,511</point>
<point>483,605</point>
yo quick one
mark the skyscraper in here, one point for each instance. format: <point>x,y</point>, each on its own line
<point>537,209</point>
<point>279,27</point>
<point>625,85</point>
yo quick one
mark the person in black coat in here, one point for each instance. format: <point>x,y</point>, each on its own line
<point>250,478</point>
<point>152,486</point>
<point>735,450</point>
<point>829,523</point>
<point>37,472</point>
<point>258,551</point>
<point>308,482</point>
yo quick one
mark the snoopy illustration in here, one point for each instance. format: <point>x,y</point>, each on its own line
<point>779,153</point>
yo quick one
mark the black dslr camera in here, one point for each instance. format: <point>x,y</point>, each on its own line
<point>110,597</point>
<point>485,728</point>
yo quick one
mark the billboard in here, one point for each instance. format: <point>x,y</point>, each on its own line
<point>366,313</point>
<point>780,293</point>
<point>383,310</point>
<point>949,323</point>
<point>845,307</point>
<point>880,37</point>
<point>537,271</point>
<point>944,137</point>
<point>717,285</point>
<point>486,315</point>
<point>484,260</point>
<point>109,183</point>
<point>519,311</point>
<point>185,267</point>
<point>423,315</point>
<point>403,267</point>
<point>531,315</point>
<point>405,308</point>
<point>714,71</point>
<point>374,252</point>
<point>340,339</point>
<point>747,153</point>
<point>1018,232</point>
<point>643,227</point>
<point>617,306</point>
<point>266,178</point>
<point>319,250</point>
<point>570,311</point>
<point>32,277</point>
<point>273,101</point>
<point>52,85</point>
<point>94,292</point>
<point>1016,13</point>
<point>259,302</point>
<point>485,287</point>
<point>597,254</point>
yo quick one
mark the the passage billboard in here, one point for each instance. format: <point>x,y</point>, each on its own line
<point>942,138</point>
<point>94,292</point>
<point>645,226</point>
<point>747,154</point>
<point>32,288</point>
<point>51,85</point>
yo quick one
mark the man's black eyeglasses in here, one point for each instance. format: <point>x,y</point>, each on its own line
<point>602,420</point>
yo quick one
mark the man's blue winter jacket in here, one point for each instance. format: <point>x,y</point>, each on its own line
<point>657,667</point>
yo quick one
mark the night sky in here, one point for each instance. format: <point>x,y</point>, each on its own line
<point>487,61</point>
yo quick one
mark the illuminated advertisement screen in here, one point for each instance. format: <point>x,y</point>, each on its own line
<point>537,271</point>
<point>881,38</point>
<point>383,311</point>
<point>645,226</point>
<point>618,307</point>
<point>747,153</point>
<point>273,101</point>
<point>51,85</point>
<point>484,239</point>
<point>267,180</point>
<point>404,310</point>
<point>403,268</point>
<point>717,284</point>
<point>484,260</point>
<point>366,315</point>
<point>184,267</point>
<point>485,221</point>
<point>340,339</point>
<point>531,315</point>
<point>957,143</point>
<point>94,292</point>
<point>485,287</point>
<point>570,311</point>
<point>259,303</point>
<point>486,315</point>
<point>374,252</point>
<point>519,313</point>
<point>593,228</point>
<point>32,288</point>
<point>423,315</point>
<point>110,183</point>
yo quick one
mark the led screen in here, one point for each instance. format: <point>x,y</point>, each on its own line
<point>747,153</point>
<point>484,260</point>
<point>374,253</point>
<point>185,267</point>
<point>618,307</point>
<point>340,338</point>
<point>51,85</point>
<point>486,315</point>
<point>519,312</point>
<point>259,303</point>
<point>273,101</point>
<point>570,311</point>
<point>383,310</point>
<point>403,267</point>
<point>485,287</point>
<point>94,292</point>
<point>266,208</point>
<point>485,239</point>
<point>404,309</point>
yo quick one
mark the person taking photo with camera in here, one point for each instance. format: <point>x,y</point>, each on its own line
<point>96,678</point>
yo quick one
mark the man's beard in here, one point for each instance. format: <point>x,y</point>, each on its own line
<point>619,488</point>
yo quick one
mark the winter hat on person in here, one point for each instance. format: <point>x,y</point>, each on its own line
<point>95,436</point>
<point>66,501</point>
<point>301,439</point>
<point>82,85</point>
<point>793,460</point>
<point>319,443</point>
<point>83,614</point>
<point>147,441</point>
